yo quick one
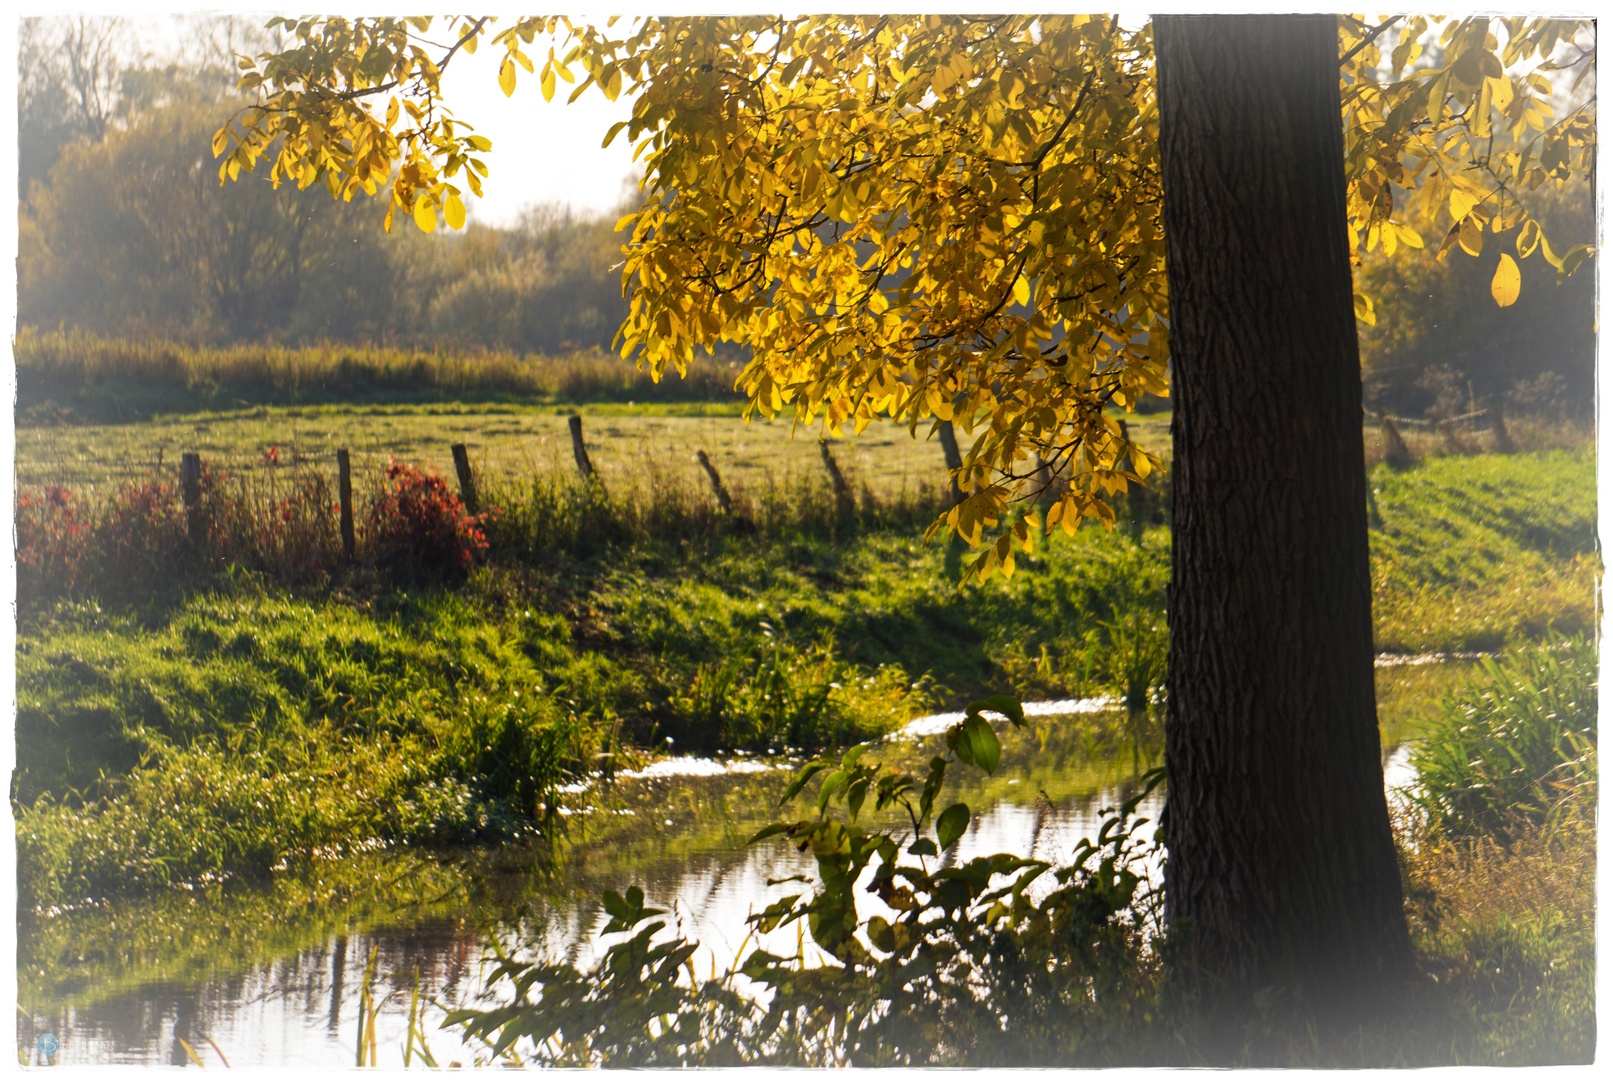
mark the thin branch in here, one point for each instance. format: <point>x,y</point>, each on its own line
<point>1369,39</point>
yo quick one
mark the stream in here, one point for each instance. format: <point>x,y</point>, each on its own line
<point>270,974</point>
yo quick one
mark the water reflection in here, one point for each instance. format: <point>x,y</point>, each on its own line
<point>278,982</point>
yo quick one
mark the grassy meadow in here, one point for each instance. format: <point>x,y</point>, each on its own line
<point>234,698</point>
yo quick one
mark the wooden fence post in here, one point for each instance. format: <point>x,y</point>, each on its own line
<point>844,505</point>
<point>1447,437</point>
<point>949,448</point>
<point>190,487</point>
<point>584,466</point>
<point>344,488</point>
<point>1498,426</point>
<point>467,482</point>
<point>1395,451</point>
<point>1136,496</point>
<point>723,500</point>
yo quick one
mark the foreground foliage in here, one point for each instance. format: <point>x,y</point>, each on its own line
<point>965,964</point>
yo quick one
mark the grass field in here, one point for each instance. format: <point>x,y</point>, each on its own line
<point>504,441</point>
<point>195,716</point>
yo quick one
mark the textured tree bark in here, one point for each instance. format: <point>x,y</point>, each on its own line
<point>1281,868</point>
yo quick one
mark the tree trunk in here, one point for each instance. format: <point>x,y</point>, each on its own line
<point>1281,868</point>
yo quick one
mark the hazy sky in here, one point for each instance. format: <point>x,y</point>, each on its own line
<point>542,151</point>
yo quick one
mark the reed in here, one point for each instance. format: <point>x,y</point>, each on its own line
<point>1514,743</point>
<point>57,364</point>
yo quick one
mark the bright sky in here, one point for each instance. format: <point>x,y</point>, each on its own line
<point>542,151</point>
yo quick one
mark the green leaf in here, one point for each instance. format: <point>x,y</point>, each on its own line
<point>807,773</point>
<point>880,933</point>
<point>1571,261</point>
<point>984,747</point>
<point>771,830</point>
<point>834,781</point>
<point>855,796</point>
<point>953,823</point>
<point>1006,704</point>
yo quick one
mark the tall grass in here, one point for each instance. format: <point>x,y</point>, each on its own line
<point>1514,743</point>
<point>56,364</point>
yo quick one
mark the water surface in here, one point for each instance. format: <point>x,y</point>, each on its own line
<point>271,974</point>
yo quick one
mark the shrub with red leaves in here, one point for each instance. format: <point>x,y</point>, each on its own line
<point>418,528</point>
<point>130,546</point>
<point>51,538</point>
<point>138,539</point>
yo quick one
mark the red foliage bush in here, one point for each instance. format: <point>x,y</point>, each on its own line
<point>131,545</point>
<point>136,542</point>
<point>418,528</point>
<point>51,538</point>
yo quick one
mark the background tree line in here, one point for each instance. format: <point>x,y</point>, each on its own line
<point>1441,343</point>
<point>124,229</point>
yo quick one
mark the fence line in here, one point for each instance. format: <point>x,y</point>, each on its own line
<point>1373,418</point>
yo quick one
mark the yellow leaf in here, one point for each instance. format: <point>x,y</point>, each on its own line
<point>1363,310</point>
<point>1501,93</point>
<point>1472,235</point>
<point>453,211</point>
<point>1506,283</point>
<point>1528,239</point>
<point>546,83</point>
<point>425,215</point>
<point>1461,202</point>
<point>1551,256</point>
<point>506,76</point>
<point>1022,290</point>
<point>1408,235</point>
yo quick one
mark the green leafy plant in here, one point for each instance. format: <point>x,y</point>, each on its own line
<point>970,967</point>
<point>1514,742</point>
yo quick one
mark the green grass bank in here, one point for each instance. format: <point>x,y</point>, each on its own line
<point>189,709</point>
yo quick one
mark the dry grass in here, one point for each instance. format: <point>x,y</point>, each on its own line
<point>65,362</point>
<point>1548,876</point>
<point>1474,437</point>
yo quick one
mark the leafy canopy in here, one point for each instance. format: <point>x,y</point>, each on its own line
<point>923,217</point>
